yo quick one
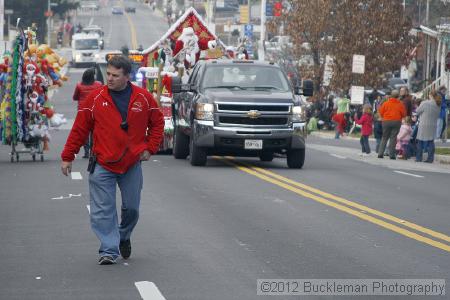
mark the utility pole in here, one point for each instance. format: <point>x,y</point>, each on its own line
<point>428,13</point>
<point>48,22</point>
<point>2,19</point>
<point>261,52</point>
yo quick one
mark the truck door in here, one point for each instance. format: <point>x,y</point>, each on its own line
<point>187,105</point>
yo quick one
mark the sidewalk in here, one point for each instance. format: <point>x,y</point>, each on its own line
<point>439,159</point>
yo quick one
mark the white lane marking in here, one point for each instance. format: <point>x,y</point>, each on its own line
<point>149,290</point>
<point>76,175</point>
<point>38,278</point>
<point>89,208</point>
<point>338,156</point>
<point>91,21</point>
<point>409,174</point>
<point>68,197</point>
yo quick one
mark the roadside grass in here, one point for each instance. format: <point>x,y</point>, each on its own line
<point>442,151</point>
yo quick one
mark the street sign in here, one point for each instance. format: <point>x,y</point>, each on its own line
<point>359,62</point>
<point>9,11</point>
<point>357,95</point>
<point>328,71</point>
<point>269,9</point>
<point>243,10</point>
<point>248,30</point>
<point>220,3</point>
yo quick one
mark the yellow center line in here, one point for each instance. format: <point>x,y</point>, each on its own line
<point>359,214</point>
<point>134,43</point>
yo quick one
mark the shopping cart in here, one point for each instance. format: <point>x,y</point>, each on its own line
<point>34,146</point>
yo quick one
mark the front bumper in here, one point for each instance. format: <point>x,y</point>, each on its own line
<point>207,135</point>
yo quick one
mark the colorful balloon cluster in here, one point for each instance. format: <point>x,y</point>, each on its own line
<point>25,78</point>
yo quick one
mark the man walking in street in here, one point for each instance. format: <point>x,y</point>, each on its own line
<point>392,112</point>
<point>127,128</point>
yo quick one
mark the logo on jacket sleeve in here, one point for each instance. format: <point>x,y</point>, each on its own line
<point>137,107</point>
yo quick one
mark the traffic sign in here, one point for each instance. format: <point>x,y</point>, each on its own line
<point>243,9</point>
<point>269,9</point>
<point>248,30</point>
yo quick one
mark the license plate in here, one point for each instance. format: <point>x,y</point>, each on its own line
<point>253,144</point>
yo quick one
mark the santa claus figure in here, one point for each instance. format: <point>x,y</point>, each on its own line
<point>187,47</point>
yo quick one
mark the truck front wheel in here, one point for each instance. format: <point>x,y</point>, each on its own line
<point>295,158</point>
<point>198,155</point>
<point>180,144</point>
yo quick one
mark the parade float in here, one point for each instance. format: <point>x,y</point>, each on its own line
<point>28,72</point>
<point>174,55</point>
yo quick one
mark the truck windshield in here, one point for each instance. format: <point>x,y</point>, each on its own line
<point>248,77</point>
<point>87,44</point>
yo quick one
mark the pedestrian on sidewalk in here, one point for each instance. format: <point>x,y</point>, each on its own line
<point>127,127</point>
<point>442,121</point>
<point>339,124</point>
<point>87,85</point>
<point>428,113</point>
<point>377,130</point>
<point>403,138</point>
<point>392,112</point>
<point>366,122</point>
<point>407,100</point>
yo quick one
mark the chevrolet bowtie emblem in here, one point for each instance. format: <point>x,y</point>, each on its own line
<point>254,114</point>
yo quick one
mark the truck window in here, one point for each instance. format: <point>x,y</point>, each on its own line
<point>86,44</point>
<point>246,77</point>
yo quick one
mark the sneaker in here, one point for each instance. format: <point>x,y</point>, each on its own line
<point>392,157</point>
<point>380,156</point>
<point>106,260</point>
<point>125,249</point>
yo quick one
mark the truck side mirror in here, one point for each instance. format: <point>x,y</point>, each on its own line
<point>308,88</point>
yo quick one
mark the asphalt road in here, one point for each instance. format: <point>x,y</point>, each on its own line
<point>211,232</point>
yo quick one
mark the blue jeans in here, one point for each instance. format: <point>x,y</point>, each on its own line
<point>104,221</point>
<point>364,141</point>
<point>427,146</point>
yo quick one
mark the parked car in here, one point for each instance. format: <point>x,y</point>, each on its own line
<point>396,83</point>
<point>117,10</point>
<point>130,9</point>
<point>277,43</point>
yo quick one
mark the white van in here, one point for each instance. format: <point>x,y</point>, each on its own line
<point>85,49</point>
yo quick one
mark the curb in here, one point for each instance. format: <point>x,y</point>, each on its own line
<point>443,159</point>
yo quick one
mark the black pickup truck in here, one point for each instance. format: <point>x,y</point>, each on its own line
<point>239,108</point>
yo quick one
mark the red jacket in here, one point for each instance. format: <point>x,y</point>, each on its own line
<point>115,148</point>
<point>82,91</point>
<point>367,123</point>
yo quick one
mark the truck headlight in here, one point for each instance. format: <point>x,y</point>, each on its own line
<point>204,111</point>
<point>298,114</point>
<point>77,57</point>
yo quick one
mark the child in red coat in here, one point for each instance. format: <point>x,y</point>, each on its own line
<point>340,123</point>
<point>366,121</point>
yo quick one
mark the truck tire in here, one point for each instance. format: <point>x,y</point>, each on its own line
<point>180,144</point>
<point>295,158</point>
<point>266,156</point>
<point>198,156</point>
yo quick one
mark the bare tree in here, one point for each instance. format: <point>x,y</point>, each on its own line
<point>377,29</point>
